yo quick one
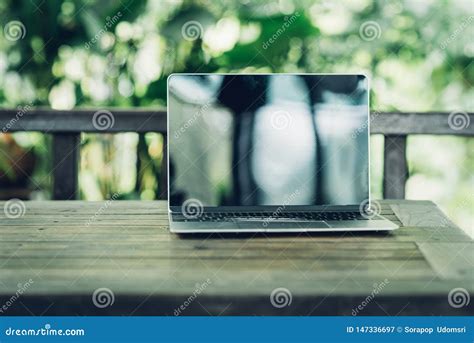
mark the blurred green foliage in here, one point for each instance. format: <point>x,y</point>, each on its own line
<point>119,53</point>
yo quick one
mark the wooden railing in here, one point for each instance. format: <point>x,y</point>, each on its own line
<point>66,127</point>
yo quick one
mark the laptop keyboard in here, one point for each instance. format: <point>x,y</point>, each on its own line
<point>271,216</point>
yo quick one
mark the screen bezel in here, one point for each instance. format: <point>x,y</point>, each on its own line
<point>270,208</point>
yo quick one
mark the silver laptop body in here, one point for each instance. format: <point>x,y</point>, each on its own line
<point>270,153</point>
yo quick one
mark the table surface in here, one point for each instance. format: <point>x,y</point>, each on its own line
<point>66,250</point>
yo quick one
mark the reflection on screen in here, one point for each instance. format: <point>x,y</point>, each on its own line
<point>268,139</point>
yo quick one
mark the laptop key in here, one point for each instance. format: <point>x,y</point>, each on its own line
<point>274,217</point>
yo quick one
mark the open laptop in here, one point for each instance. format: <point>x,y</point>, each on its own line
<point>270,153</point>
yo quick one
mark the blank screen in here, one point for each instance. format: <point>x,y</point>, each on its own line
<point>279,139</point>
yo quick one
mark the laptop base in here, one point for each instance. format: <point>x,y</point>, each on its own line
<point>377,224</point>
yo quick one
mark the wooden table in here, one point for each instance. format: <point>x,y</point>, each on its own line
<point>66,250</point>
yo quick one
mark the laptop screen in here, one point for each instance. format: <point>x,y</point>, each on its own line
<point>274,140</point>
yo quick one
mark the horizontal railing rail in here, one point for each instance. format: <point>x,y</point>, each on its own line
<point>67,125</point>
<point>84,120</point>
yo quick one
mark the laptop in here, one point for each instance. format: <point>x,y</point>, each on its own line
<point>270,153</point>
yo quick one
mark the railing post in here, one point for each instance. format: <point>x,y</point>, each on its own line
<point>66,151</point>
<point>395,170</point>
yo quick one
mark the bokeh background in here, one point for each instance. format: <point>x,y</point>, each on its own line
<point>89,53</point>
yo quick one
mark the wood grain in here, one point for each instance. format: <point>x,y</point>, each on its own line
<point>71,248</point>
